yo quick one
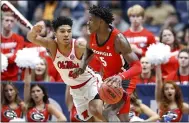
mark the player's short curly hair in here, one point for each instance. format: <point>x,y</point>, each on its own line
<point>103,13</point>
<point>62,20</point>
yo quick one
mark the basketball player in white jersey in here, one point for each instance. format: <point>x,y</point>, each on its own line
<point>66,53</point>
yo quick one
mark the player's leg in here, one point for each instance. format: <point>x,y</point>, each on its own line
<point>124,111</point>
<point>96,107</point>
<point>110,111</point>
<point>129,86</point>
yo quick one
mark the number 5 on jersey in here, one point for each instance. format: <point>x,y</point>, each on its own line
<point>103,61</point>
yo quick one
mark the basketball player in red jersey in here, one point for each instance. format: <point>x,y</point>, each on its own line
<point>66,54</point>
<point>111,47</point>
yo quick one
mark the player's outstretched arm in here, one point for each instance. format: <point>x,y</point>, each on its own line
<point>34,36</point>
<point>122,46</point>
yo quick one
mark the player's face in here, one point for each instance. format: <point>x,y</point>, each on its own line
<point>169,91</point>
<point>183,59</point>
<point>64,34</point>
<point>93,23</point>
<point>40,68</point>
<point>10,93</point>
<point>136,20</point>
<point>8,22</point>
<point>37,94</point>
<point>167,37</point>
<point>146,66</point>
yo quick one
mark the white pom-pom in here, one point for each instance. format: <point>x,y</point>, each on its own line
<point>4,63</point>
<point>136,119</point>
<point>27,57</point>
<point>17,120</point>
<point>158,53</point>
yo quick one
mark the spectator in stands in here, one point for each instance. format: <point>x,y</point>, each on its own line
<point>119,22</point>
<point>38,107</point>
<point>83,19</point>
<point>10,44</point>
<point>66,11</point>
<point>148,74</point>
<point>137,108</point>
<point>48,10</point>
<point>181,75</point>
<point>173,21</point>
<point>169,99</point>
<point>11,104</point>
<point>168,37</point>
<point>139,37</point>
<point>40,73</point>
<point>157,13</point>
<point>185,38</point>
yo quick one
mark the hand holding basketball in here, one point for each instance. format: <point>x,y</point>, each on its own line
<point>110,94</point>
<point>115,81</point>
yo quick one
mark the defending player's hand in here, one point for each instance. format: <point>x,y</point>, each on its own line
<point>115,81</point>
<point>77,72</point>
<point>37,29</point>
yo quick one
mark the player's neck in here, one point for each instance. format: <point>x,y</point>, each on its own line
<point>6,33</point>
<point>146,75</point>
<point>184,71</point>
<point>103,34</point>
<point>64,48</point>
<point>136,28</point>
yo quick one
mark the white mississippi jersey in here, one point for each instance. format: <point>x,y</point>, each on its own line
<point>66,64</point>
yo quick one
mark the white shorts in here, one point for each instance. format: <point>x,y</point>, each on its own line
<point>82,96</point>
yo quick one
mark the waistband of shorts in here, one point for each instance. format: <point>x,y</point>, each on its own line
<point>80,85</point>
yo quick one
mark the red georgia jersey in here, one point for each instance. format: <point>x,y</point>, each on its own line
<point>8,114</point>
<point>174,115</point>
<point>111,61</point>
<point>34,115</point>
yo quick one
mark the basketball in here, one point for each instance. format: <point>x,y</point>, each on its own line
<point>109,94</point>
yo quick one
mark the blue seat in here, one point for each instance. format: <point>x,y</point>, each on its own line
<point>181,6</point>
<point>154,29</point>
<point>143,3</point>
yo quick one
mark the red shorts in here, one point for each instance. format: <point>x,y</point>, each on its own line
<point>126,107</point>
<point>129,86</point>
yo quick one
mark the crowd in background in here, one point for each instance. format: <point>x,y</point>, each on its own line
<point>162,21</point>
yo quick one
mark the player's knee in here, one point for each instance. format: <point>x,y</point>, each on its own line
<point>95,108</point>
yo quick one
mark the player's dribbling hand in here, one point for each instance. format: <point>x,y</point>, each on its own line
<point>77,72</point>
<point>115,81</point>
